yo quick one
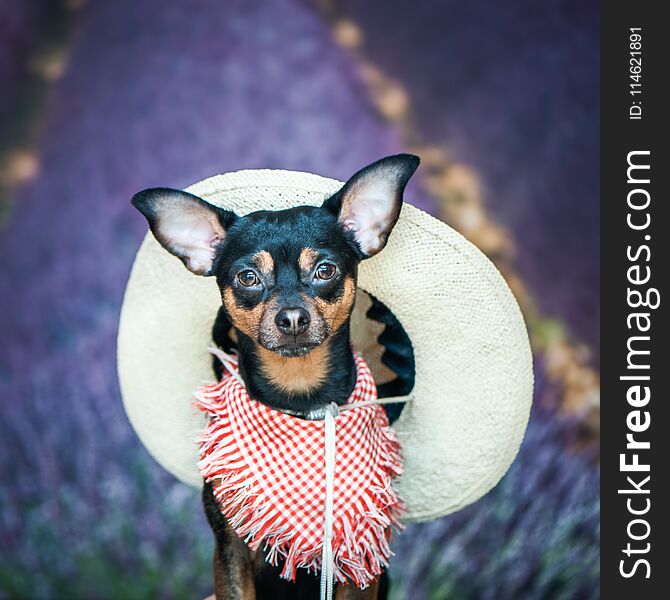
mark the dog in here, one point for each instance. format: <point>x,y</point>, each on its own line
<point>287,281</point>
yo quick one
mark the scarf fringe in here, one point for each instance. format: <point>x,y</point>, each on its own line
<point>361,541</point>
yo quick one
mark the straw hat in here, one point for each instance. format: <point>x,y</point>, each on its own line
<point>469,406</point>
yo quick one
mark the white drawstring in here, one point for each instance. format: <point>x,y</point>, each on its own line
<point>329,413</point>
<point>229,361</point>
<point>327,558</point>
<point>389,400</point>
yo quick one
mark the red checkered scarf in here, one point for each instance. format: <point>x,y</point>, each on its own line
<point>267,470</point>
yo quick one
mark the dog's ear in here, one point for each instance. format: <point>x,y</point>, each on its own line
<point>368,205</point>
<point>185,225</point>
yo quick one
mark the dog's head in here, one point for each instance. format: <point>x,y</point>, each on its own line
<point>287,278</point>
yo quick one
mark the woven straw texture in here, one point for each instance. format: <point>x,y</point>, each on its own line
<point>469,408</point>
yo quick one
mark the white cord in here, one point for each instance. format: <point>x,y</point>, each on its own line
<point>327,559</point>
<point>229,361</point>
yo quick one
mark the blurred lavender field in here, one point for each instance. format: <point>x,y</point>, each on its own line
<point>512,89</point>
<point>18,28</point>
<point>165,94</point>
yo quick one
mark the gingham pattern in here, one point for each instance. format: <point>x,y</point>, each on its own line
<point>268,473</point>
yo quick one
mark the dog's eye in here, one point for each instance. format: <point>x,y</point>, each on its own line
<point>247,278</point>
<point>325,271</point>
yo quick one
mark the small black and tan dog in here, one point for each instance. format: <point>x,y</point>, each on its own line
<point>288,284</point>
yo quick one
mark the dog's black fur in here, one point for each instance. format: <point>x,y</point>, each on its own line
<point>284,235</point>
<point>287,281</point>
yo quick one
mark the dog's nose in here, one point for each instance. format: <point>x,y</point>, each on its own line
<point>292,320</point>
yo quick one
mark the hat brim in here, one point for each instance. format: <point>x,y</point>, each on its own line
<point>468,410</point>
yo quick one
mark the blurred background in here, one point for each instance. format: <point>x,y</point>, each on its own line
<point>101,99</point>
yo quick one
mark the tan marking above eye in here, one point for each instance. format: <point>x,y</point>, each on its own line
<point>264,261</point>
<point>307,259</point>
<point>337,312</point>
<point>246,320</point>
